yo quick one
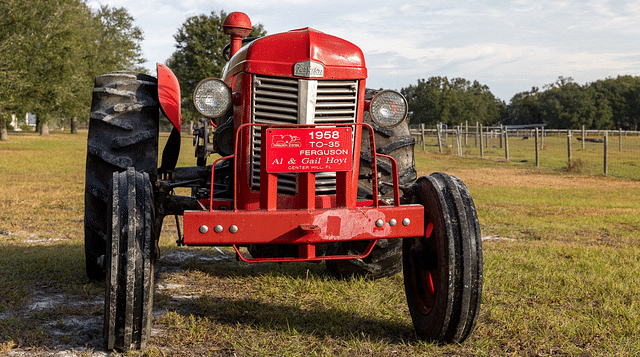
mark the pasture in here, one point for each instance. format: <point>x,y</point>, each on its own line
<point>561,262</point>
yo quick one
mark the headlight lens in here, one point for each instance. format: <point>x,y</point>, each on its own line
<point>212,98</point>
<point>388,108</point>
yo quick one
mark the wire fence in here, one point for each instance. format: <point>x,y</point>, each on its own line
<point>609,152</point>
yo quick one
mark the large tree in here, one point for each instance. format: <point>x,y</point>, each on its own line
<point>12,69</point>
<point>568,105</point>
<point>623,95</point>
<point>524,108</point>
<point>198,55</point>
<point>50,51</point>
<point>440,100</point>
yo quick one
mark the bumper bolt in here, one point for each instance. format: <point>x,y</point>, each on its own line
<point>393,222</point>
<point>218,229</point>
<point>204,229</point>
<point>406,222</point>
<point>379,223</point>
<point>233,229</point>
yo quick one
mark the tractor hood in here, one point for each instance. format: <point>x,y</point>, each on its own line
<point>302,53</point>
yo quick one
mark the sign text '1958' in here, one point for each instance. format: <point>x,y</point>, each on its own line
<point>309,149</point>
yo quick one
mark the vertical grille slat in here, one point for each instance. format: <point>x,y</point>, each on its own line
<point>336,102</point>
<point>288,101</point>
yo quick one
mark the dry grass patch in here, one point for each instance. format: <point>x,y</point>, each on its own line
<point>564,283</point>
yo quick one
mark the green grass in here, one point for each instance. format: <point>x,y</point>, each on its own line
<point>562,280</point>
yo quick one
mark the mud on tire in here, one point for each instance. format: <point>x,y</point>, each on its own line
<point>123,132</point>
<point>129,262</point>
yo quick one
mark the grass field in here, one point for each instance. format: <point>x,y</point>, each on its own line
<point>562,255</point>
<point>623,155</point>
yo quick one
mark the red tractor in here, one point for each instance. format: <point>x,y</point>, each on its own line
<point>313,166</point>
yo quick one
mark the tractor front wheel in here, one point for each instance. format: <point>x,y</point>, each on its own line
<point>443,269</point>
<point>129,262</point>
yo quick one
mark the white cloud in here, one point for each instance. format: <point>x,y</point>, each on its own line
<point>508,45</point>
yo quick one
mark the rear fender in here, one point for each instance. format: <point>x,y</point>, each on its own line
<point>169,95</point>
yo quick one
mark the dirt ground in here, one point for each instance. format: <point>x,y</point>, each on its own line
<point>77,330</point>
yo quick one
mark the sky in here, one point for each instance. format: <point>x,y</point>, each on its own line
<point>510,46</point>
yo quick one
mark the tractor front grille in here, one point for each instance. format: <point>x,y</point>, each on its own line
<point>300,101</point>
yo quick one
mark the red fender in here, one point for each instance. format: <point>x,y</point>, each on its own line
<point>169,95</point>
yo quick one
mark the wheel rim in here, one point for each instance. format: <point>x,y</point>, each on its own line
<point>426,278</point>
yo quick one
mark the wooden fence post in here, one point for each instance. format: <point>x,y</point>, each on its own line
<point>458,141</point>
<point>537,150</point>
<point>481,146</point>
<point>569,145</point>
<point>620,140</point>
<point>422,134</point>
<point>506,144</point>
<point>438,127</point>
<point>584,133</point>
<point>606,151</point>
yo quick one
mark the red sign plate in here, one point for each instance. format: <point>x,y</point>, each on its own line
<point>309,149</point>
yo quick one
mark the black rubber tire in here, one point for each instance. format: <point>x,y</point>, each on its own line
<point>443,269</point>
<point>129,277</point>
<point>123,132</point>
<point>386,257</point>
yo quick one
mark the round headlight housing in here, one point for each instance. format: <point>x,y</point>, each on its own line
<point>388,108</point>
<point>212,98</point>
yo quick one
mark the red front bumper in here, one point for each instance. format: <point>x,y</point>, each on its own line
<point>303,227</point>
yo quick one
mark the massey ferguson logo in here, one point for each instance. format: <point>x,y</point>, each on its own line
<point>308,69</point>
<point>285,141</point>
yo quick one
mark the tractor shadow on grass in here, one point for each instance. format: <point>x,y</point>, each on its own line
<point>273,297</point>
<point>48,306</point>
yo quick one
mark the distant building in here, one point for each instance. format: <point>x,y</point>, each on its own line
<point>29,119</point>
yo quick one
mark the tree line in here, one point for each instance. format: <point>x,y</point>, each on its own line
<point>51,51</point>
<point>612,103</point>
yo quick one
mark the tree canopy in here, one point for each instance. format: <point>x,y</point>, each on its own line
<point>198,55</point>
<point>605,104</point>
<point>440,100</point>
<point>610,103</point>
<point>51,50</point>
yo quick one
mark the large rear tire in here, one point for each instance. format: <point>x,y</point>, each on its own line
<point>123,132</point>
<point>386,257</point>
<point>396,142</point>
<point>443,269</point>
<point>129,277</point>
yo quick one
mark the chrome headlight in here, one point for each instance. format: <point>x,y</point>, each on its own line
<point>212,98</point>
<point>388,108</point>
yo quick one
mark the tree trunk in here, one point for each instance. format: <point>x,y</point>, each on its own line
<point>73,125</point>
<point>44,128</point>
<point>3,129</point>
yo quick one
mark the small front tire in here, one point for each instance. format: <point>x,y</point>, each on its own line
<point>129,262</point>
<point>443,269</point>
